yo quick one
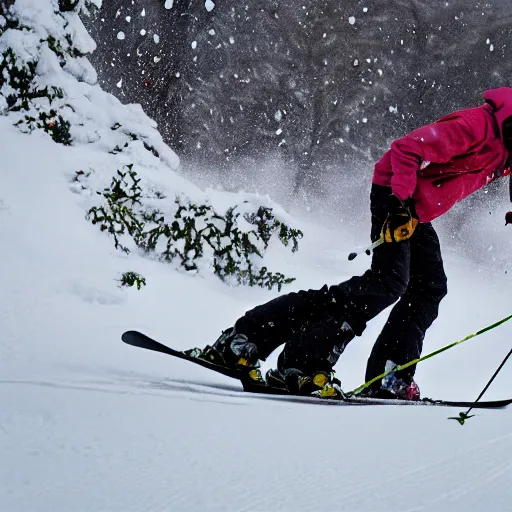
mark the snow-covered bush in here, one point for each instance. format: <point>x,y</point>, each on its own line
<point>47,82</point>
<point>233,242</point>
<point>32,49</point>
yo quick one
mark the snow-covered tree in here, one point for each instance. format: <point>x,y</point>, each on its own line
<point>35,48</point>
<point>47,81</point>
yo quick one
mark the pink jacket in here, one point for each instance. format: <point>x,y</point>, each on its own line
<point>446,161</point>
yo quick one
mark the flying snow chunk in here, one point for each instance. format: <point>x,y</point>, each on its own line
<point>194,45</point>
<point>279,131</point>
<point>120,36</point>
<point>491,48</point>
<point>156,38</point>
<point>209,5</point>
<point>365,9</point>
<point>278,116</point>
<point>393,110</point>
<point>352,20</point>
<point>143,13</point>
<point>128,19</point>
<point>211,32</point>
<point>120,83</point>
<point>142,32</point>
<point>169,4</point>
<point>232,40</point>
<point>156,59</point>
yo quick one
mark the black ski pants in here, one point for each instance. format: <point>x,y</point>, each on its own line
<point>311,323</point>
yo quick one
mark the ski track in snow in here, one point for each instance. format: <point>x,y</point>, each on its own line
<point>414,463</point>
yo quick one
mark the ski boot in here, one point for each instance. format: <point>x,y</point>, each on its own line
<point>235,352</point>
<point>395,387</point>
<point>295,382</point>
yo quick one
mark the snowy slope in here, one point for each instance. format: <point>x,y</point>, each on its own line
<point>90,424</point>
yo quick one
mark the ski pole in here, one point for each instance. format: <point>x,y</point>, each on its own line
<point>368,250</point>
<point>463,416</point>
<point>428,356</point>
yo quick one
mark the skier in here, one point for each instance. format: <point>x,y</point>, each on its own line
<point>418,179</point>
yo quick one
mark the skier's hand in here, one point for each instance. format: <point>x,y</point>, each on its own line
<point>400,222</point>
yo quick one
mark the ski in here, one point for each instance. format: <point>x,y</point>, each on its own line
<point>138,339</point>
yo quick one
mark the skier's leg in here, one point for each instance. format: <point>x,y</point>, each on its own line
<point>315,325</point>
<point>318,345</point>
<point>279,320</point>
<point>401,339</point>
<point>290,317</point>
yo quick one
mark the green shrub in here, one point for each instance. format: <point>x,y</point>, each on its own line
<point>196,232</point>
<point>130,279</point>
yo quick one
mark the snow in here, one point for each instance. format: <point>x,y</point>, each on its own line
<point>91,424</point>
<point>88,423</point>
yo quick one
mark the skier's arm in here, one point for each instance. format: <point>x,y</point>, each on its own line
<point>438,142</point>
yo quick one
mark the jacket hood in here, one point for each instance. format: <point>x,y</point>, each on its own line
<point>501,100</point>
